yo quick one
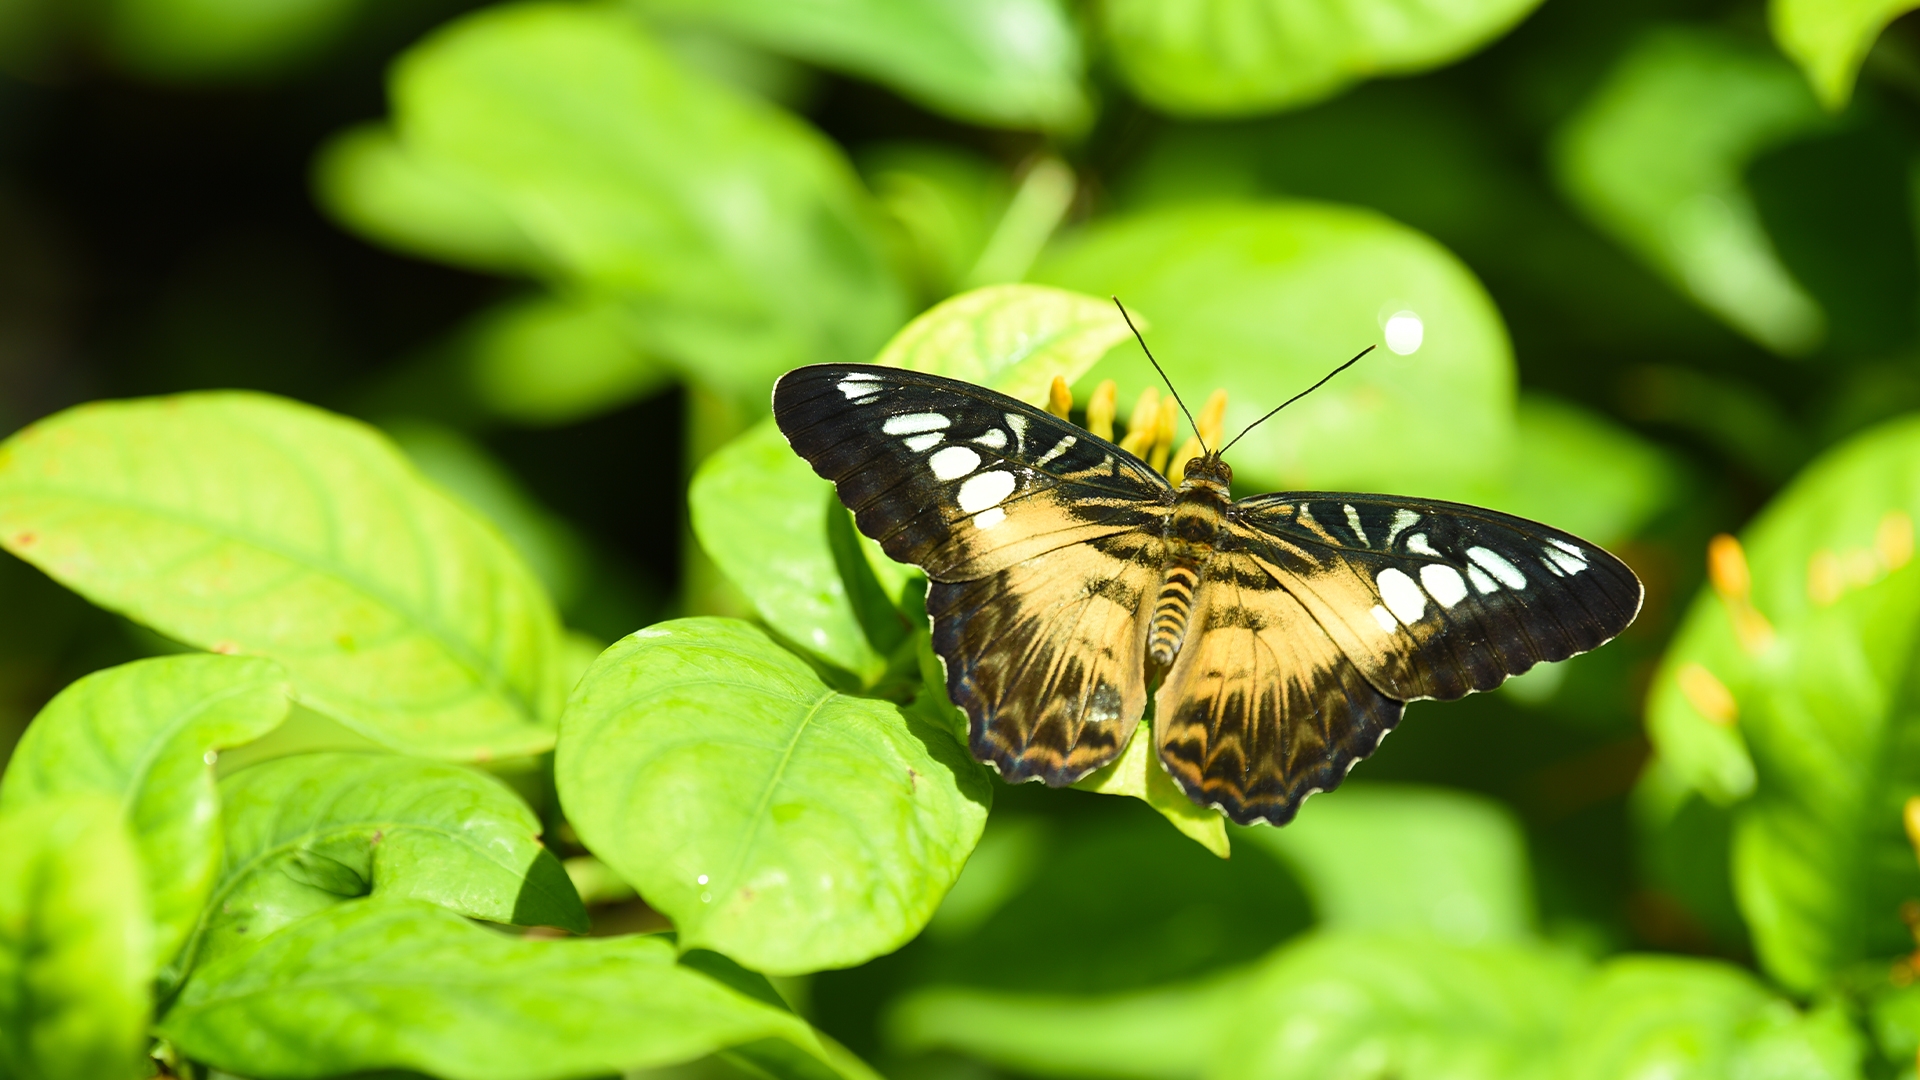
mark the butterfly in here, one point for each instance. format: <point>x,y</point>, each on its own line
<point>1280,636</point>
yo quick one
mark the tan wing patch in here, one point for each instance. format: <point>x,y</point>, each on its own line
<point>1037,514</point>
<point>1261,708</point>
<point>1047,657</point>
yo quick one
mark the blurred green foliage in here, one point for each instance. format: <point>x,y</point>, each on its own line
<point>1648,272</point>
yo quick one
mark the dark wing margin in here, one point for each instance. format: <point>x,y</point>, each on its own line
<point>1434,599</point>
<point>1261,709</point>
<point>957,479</point>
<point>1034,534</point>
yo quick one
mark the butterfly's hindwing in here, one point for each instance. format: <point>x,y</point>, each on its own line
<point>1261,708</point>
<point>958,480</point>
<point>1046,656</point>
<point>1434,599</point>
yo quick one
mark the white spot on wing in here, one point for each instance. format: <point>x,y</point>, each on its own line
<point>1572,564</point>
<point>987,519</point>
<point>1019,425</point>
<point>1385,619</point>
<point>1417,543</point>
<point>1061,447</point>
<point>1403,520</point>
<point>1353,522</point>
<point>982,491</point>
<point>1568,548</point>
<point>857,389</point>
<point>914,423</point>
<point>953,463</point>
<point>919,443</point>
<point>994,439</point>
<point>1481,581</point>
<point>851,376</point>
<point>1444,582</point>
<point>1490,561</point>
<point>1401,595</point>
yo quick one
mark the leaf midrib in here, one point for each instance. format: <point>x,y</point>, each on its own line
<point>459,650</point>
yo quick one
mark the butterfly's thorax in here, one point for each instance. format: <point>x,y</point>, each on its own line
<point>1193,531</point>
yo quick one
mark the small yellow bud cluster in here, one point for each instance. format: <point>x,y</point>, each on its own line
<point>1152,426</point>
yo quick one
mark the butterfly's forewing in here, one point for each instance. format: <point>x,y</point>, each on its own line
<point>1261,708</point>
<point>1435,599</point>
<point>957,479</point>
<point>1035,535</point>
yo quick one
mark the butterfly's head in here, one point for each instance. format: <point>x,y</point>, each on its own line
<point>1207,471</point>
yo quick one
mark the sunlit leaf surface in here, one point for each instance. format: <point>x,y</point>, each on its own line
<point>309,832</point>
<point>1800,655</point>
<point>737,237</point>
<point>383,984</point>
<point>1829,39</point>
<point>146,735</point>
<point>1234,57</point>
<point>776,821</point>
<point>1263,299</point>
<point>1008,63</point>
<point>75,943</point>
<point>243,523</point>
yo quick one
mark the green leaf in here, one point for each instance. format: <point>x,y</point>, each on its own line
<point>375,185</point>
<point>75,942</point>
<point>1411,860</point>
<point>943,202</point>
<point>146,734</point>
<point>1410,1008</point>
<point>550,360</point>
<point>770,524</point>
<point>239,522</point>
<point>1015,338</point>
<point>381,984</point>
<point>1655,158</point>
<point>1159,1034</point>
<point>1263,299</point>
<point>762,515</point>
<point>1810,673</point>
<point>1137,773</point>
<point>1005,63</point>
<point>1234,57</point>
<point>1830,39</point>
<point>735,235</point>
<point>309,832</point>
<point>776,821</point>
<point>1683,1019</point>
<point>221,40</point>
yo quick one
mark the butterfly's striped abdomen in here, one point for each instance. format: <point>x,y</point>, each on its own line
<point>1171,613</point>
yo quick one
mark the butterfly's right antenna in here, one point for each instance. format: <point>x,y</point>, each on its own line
<point>1163,372</point>
<point>1296,397</point>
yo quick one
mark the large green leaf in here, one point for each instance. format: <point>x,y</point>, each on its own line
<point>1684,1019</point>
<point>1829,39</point>
<point>373,184</point>
<point>383,984</point>
<point>736,236</point>
<point>775,821</point>
<point>75,943</point>
<point>771,525</point>
<point>1411,860</point>
<point>1413,1009</point>
<point>146,734</point>
<point>1009,63</point>
<point>243,523</point>
<point>1584,473</point>
<point>1812,674</point>
<point>309,832</point>
<point>1233,57</point>
<point>1655,158</point>
<point>1263,299</point>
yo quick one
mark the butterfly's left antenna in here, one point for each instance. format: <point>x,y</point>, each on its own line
<point>1296,397</point>
<point>1163,373</point>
